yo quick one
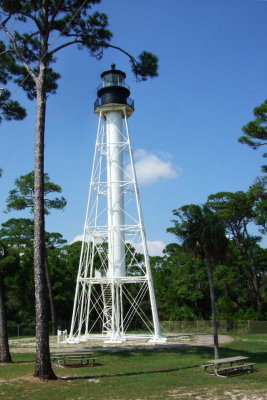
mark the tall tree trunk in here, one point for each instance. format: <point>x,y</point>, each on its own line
<point>50,295</point>
<point>43,367</point>
<point>253,279</point>
<point>255,282</point>
<point>5,356</point>
<point>213,309</point>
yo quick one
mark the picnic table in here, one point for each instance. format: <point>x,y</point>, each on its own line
<point>224,367</point>
<point>74,358</point>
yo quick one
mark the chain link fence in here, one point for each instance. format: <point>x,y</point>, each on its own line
<point>195,327</point>
<point>173,327</point>
<point>18,330</point>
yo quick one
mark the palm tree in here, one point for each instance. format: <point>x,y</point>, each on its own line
<point>203,235</point>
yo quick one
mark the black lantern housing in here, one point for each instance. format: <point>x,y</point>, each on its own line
<point>113,89</point>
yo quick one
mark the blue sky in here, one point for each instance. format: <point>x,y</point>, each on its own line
<point>212,73</point>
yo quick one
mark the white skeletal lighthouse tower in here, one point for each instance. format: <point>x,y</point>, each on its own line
<point>114,296</point>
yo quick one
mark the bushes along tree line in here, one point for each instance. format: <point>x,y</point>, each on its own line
<point>180,275</point>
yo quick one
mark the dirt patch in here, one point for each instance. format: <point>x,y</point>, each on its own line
<point>28,345</point>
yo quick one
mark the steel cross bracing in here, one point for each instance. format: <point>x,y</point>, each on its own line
<point>114,292</point>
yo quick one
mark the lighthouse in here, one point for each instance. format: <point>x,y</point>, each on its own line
<point>114,297</point>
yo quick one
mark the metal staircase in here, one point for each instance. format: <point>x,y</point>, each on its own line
<point>107,308</point>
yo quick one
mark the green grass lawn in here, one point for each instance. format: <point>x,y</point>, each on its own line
<point>160,374</point>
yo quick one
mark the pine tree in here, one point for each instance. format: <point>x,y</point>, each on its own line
<point>256,131</point>
<point>72,21</point>
<point>21,198</point>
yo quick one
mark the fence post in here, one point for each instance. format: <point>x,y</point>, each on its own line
<point>59,333</point>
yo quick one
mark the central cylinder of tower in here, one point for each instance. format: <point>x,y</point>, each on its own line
<point>115,194</point>
<point>113,104</point>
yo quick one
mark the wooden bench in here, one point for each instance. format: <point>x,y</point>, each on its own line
<point>70,359</point>
<point>236,365</point>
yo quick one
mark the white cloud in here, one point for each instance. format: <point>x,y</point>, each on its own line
<point>78,238</point>
<point>155,247</point>
<point>151,167</point>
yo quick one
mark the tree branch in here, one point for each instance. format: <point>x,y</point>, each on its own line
<point>6,52</point>
<point>65,45</point>
<point>100,44</point>
<point>260,144</point>
<point>122,51</point>
<point>16,50</point>
<point>35,20</point>
<point>54,14</point>
<point>7,19</point>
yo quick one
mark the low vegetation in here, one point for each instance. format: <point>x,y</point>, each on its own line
<point>172,373</point>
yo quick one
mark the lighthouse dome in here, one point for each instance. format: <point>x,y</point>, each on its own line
<point>113,89</point>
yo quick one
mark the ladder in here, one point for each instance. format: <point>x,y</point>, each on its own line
<point>107,308</point>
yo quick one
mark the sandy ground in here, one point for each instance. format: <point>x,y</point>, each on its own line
<point>28,345</point>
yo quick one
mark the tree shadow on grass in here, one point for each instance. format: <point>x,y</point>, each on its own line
<point>17,362</point>
<point>201,355</point>
<point>23,362</point>
<point>201,352</point>
<point>259,358</point>
<point>73,378</point>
